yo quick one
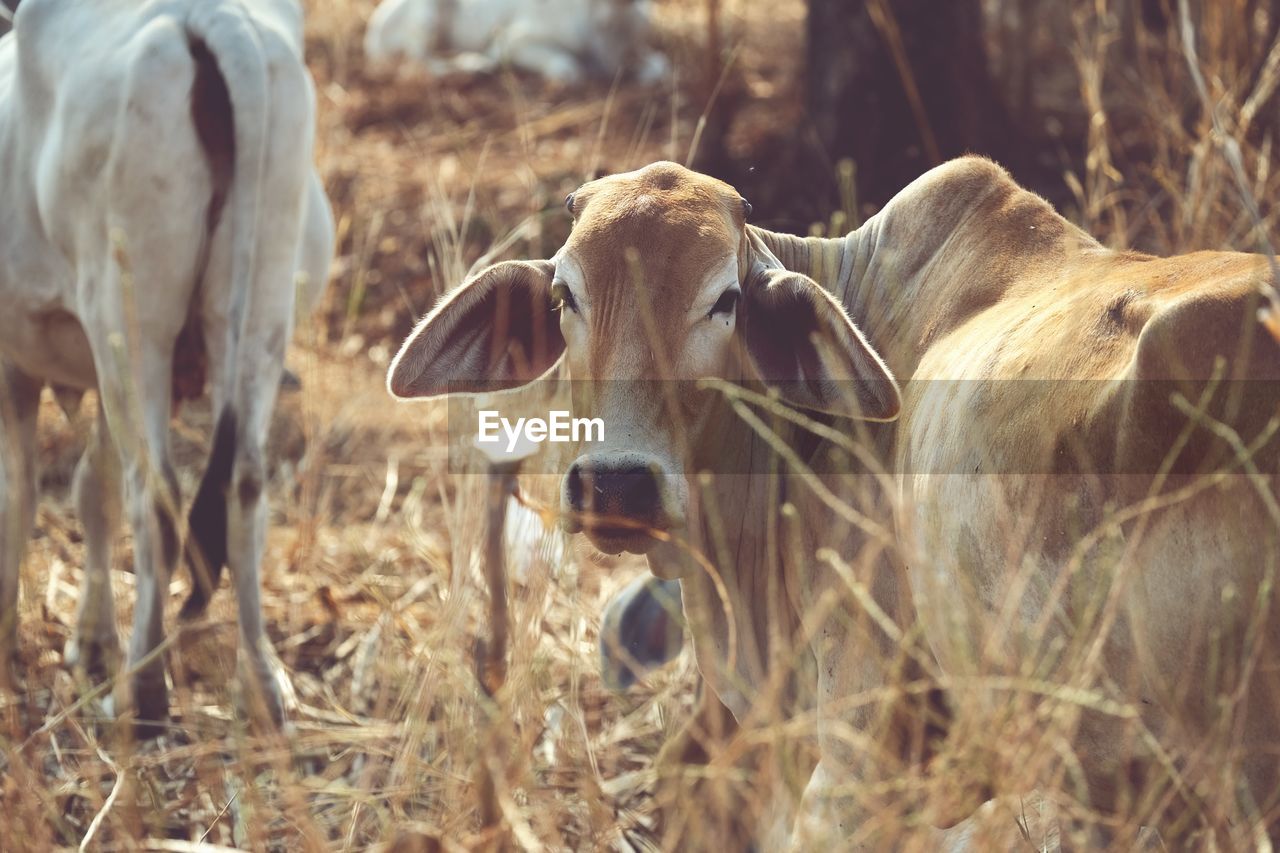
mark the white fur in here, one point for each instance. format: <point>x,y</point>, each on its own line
<point>565,40</point>
<point>104,193</point>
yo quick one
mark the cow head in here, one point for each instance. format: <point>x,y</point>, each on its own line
<point>660,283</point>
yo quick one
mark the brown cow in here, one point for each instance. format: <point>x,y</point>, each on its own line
<point>1088,551</point>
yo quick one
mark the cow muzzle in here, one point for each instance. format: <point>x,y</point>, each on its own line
<point>619,500</point>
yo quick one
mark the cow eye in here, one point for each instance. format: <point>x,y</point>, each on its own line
<point>563,297</point>
<point>726,303</point>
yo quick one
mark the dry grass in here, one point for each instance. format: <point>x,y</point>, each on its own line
<point>372,590</point>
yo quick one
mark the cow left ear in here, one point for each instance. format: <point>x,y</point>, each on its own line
<point>499,329</point>
<point>802,343</point>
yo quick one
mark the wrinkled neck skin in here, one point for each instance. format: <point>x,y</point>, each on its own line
<point>935,255</point>
<point>770,577</point>
<point>864,271</point>
<point>743,619</point>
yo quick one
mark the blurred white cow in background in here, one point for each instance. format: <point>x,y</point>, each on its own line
<point>158,206</point>
<point>564,40</point>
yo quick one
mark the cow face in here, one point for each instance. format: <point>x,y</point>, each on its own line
<point>660,284</point>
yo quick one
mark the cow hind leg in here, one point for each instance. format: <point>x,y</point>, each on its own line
<point>229,515</point>
<point>19,406</point>
<point>228,525</point>
<point>95,645</point>
<point>549,60</point>
<point>246,541</point>
<point>152,500</point>
<point>137,418</point>
<point>139,300</point>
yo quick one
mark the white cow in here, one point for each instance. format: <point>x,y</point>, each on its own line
<point>158,203</point>
<point>565,40</point>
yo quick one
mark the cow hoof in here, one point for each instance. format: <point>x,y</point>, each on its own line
<point>263,688</point>
<point>96,657</point>
<point>264,714</point>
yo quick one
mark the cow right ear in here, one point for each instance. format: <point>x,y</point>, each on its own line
<point>804,345</point>
<point>499,329</point>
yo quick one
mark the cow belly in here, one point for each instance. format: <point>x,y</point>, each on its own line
<point>1203,611</point>
<point>1197,647</point>
<point>1171,615</point>
<point>1001,565</point>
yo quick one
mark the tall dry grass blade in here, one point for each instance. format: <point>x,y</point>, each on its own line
<point>885,21</point>
<point>98,818</point>
<point>710,105</point>
<point>1231,152</point>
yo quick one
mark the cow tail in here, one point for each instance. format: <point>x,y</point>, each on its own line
<point>230,107</point>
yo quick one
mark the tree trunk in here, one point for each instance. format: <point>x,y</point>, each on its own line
<point>898,86</point>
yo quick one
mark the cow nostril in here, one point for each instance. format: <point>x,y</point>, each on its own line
<point>637,493</point>
<point>617,494</point>
<point>573,486</point>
